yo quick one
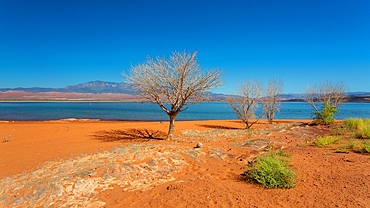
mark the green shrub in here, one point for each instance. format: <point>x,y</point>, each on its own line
<point>362,127</point>
<point>272,171</point>
<point>326,140</point>
<point>353,123</point>
<point>367,121</point>
<point>326,115</point>
<point>364,132</point>
<point>362,148</point>
<point>357,146</point>
<point>366,147</point>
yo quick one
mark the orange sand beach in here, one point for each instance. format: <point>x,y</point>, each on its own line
<point>127,164</point>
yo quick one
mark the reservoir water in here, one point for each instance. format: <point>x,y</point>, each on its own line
<point>37,111</point>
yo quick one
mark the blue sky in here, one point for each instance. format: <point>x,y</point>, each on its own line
<point>61,42</point>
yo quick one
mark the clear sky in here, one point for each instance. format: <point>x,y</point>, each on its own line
<point>55,43</point>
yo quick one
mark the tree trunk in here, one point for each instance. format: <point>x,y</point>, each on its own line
<point>270,114</point>
<point>270,121</point>
<point>171,129</point>
<point>271,118</point>
<point>247,125</point>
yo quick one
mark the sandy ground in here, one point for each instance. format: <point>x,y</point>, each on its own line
<point>125,164</point>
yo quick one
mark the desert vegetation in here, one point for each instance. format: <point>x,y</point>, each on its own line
<point>251,94</point>
<point>329,96</point>
<point>178,80</point>
<point>246,103</point>
<point>323,141</point>
<point>271,170</point>
<point>360,126</point>
<point>7,138</point>
<point>271,101</point>
<point>350,136</point>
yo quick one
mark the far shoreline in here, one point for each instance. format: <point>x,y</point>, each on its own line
<point>106,111</point>
<point>144,101</point>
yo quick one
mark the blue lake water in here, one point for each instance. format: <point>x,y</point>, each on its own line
<point>36,111</point>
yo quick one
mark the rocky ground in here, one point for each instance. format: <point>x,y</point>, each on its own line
<point>201,167</point>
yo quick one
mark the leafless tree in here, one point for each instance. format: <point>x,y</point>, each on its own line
<point>173,83</point>
<point>246,103</point>
<point>326,91</point>
<point>270,102</point>
<point>330,95</point>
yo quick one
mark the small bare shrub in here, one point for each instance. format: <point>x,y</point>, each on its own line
<point>7,138</point>
<point>246,103</point>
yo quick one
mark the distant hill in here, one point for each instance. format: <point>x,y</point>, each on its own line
<point>95,87</point>
<point>89,91</point>
<point>101,87</point>
<point>359,97</point>
<point>352,97</point>
<point>113,91</point>
<point>292,96</point>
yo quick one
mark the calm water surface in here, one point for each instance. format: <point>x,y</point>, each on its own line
<point>22,111</point>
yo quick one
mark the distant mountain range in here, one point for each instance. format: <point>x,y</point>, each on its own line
<point>113,91</point>
<point>89,91</point>
<point>95,87</point>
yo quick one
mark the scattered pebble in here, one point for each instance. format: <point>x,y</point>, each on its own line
<point>199,145</point>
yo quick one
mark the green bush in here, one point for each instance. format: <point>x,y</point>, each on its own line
<point>326,140</point>
<point>326,115</point>
<point>272,171</point>
<point>362,127</point>
<point>353,123</point>
<point>365,129</point>
<point>366,147</point>
<point>362,148</point>
<point>366,132</point>
<point>363,133</point>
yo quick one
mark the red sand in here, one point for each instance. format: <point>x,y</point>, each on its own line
<point>325,178</point>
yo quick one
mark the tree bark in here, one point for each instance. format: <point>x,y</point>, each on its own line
<point>246,125</point>
<point>171,129</point>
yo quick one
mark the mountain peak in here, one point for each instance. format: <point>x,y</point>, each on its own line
<point>100,87</point>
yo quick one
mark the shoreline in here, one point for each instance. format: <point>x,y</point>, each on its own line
<point>151,121</point>
<point>144,101</point>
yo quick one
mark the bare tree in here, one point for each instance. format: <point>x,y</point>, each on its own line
<point>246,103</point>
<point>175,81</point>
<point>270,102</point>
<point>330,95</point>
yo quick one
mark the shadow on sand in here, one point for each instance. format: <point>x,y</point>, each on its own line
<point>217,127</point>
<point>129,134</point>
